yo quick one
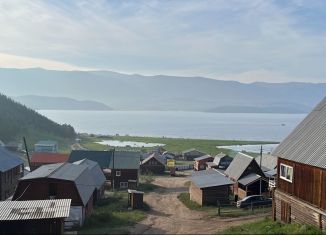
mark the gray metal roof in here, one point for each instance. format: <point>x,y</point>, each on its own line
<point>271,173</point>
<point>203,157</point>
<point>248,179</point>
<point>239,164</point>
<point>192,150</point>
<point>268,162</point>
<point>79,174</point>
<point>210,178</point>
<point>307,142</point>
<point>8,160</point>
<point>97,174</point>
<point>156,156</point>
<point>36,209</point>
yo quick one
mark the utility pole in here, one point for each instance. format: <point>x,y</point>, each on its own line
<point>26,149</point>
<point>261,157</point>
<point>113,172</point>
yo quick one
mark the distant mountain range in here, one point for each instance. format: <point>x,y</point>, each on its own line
<point>59,103</point>
<point>137,92</point>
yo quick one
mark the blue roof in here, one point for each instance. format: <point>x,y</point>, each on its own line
<point>8,160</point>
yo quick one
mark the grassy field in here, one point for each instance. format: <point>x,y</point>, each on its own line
<point>267,226</point>
<point>171,144</point>
<point>111,216</point>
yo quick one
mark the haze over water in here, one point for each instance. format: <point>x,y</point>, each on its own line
<point>231,126</point>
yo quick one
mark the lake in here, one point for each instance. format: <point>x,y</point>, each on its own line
<point>226,126</point>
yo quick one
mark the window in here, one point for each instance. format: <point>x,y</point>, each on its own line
<point>118,173</point>
<point>123,184</point>
<point>286,172</point>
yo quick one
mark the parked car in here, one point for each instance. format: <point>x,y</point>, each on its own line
<point>254,200</point>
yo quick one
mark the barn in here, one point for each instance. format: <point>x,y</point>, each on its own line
<point>300,194</point>
<point>210,187</point>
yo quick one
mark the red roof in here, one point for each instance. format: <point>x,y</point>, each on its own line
<point>49,157</point>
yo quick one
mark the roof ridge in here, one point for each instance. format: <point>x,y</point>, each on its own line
<point>55,170</point>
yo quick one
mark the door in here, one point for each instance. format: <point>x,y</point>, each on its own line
<point>285,212</point>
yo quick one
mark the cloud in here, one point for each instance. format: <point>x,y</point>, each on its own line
<point>206,38</point>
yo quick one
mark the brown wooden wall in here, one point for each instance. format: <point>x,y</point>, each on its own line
<point>38,189</point>
<point>201,164</point>
<point>8,181</point>
<point>126,174</point>
<point>309,183</point>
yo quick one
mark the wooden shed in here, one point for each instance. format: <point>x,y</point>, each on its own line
<point>300,194</point>
<point>152,164</point>
<point>200,162</point>
<point>34,217</point>
<point>135,199</point>
<point>210,187</point>
<point>191,154</point>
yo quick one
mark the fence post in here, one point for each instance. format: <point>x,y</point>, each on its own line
<point>251,207</point>
<point>218,208</point>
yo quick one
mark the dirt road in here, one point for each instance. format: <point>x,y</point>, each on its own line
<point>169,216</point>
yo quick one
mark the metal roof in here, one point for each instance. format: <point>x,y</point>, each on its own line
<point>268,162</point>
<point>307,142</point>
<point>8,160</point>
<point>79,174</point>
<point>249,179</point>
<point>42,157</point>
<point>36,209</point>
<point>239,164</point>
<point>271,173</point>
<point>97,174</point>
<point>47,142</point>
<point>153,155</point>
<point>122,160</point>
<point>203,157</point>
<point>209,178</point>
<point>193,150</point>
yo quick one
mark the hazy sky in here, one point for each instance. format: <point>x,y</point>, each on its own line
<point>244,40</point>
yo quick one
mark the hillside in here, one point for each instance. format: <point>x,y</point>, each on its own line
<point>59,103</point>
<point>137,92</point>
<point>17,121</point>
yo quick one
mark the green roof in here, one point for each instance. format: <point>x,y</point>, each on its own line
<point>105,159</point>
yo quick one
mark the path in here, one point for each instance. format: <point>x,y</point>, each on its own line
<point>169,216</point>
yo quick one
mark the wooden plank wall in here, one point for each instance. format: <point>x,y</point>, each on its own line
<point>196,194</point>
<point>309,183</point>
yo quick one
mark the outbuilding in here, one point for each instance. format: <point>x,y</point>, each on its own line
<point>42,158</point>
<point>191,154</point>
<point>221,161</point>
<point>153,164</point>
<point>210,187</point>
<point>200,162</point>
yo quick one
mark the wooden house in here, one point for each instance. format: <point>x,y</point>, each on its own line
<point>248,177</point>
<point>118,168</point>
<point>210,187</point>
<point>34,217</point>
<point>200,162</point>
<point>300,194</point>
<point>153,164</point>
<point>42,158</point>
<point>221,161</point>
<point>11,170</point>
<point>191,154</point>
<point>60,181</point>
<point>48,146</point>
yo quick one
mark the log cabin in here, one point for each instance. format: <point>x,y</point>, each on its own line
<point>300,193</point>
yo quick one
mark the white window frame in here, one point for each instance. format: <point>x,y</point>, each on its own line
<point>118,173</point>
<point>286,171</point>
<point>123,184</point>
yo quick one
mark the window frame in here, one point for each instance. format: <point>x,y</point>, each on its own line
<point>286,171</point>
<point>118,173</point>
<point>123,183</point>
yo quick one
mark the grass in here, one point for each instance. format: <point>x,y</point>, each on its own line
<point>111,216</point>
<point>267,226</point>
<point>185,199</point>
<point>176,145</point>
<point>145,183</point>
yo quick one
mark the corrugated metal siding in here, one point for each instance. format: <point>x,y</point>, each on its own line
<point>38,209</point>
<point>307,142</point>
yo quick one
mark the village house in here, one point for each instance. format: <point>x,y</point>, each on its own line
<point>48,146</point>
<point>191,154</point>
<point>210,187</point>
<point>120,169</point>
<point>34,217</point>
<point>300,194</point>
<point>268,164</point>
<point>42,158</point>
<point>11,170</point>
<point>221,161</point>
<point>200,162</point>
<point>60,181</point>
<point>248,177</point>
<point>153,164</point>
<point>98,177</point>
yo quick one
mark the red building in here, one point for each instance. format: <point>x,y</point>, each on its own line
<point>42,158</point>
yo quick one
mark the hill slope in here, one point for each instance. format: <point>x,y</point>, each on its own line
<point>59,103</point>
<point>17,121</point>
<point>137,92</point>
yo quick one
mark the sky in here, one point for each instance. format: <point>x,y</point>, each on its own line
<point>243,40</point>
